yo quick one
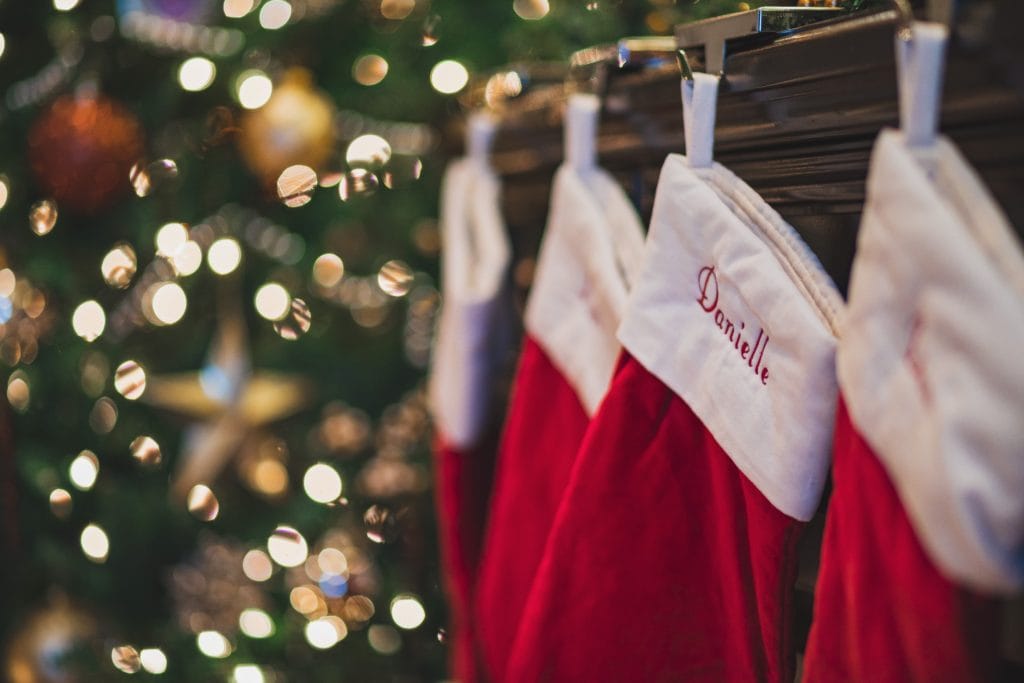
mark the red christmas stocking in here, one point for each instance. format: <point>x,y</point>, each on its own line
<point>926,522</point>
<point>471,340</point>
<point>672,556</point>
<point>592,244</point>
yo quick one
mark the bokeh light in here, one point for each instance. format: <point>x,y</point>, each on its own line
<point>187,259</point>
<point>235,9</point>
<point>146,451</point>
<point>153,660</point>
<point>60,503</point>
<point>167,303</point>
<point>274,14</point>
<point>42,217</point>
<point>89,320</point>
<point>83,470</point>
<point>169,238</point>
<point>196,73</point>
<point>287,547</point>
<point>531,9</point>
<point>18,391</point>
<point>130,380</point>
<point>328,269</point>
<point>257,565</point>
<point>397,9</point>
<point>370,70</point>
<point>255,623</point>
<point>407,611</point>
<point>325,632</point>
<point>119,265</point>
<point>213,644</point>
<point>449,77</point>
<point>95,543</point>
<point>384,639</point>
<point>322,483</point>
<point>125,658</point>
<point>296,322</point>
<point>295,185</point>
<point>368,149</point>
<point>395,278</point>
<point>254,89</point>
<point>272,301</point>
<point>247,673</point>
<point>202,503</point>
<point>224,255</point>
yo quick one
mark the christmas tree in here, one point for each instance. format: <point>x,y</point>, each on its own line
<point>217,296</point>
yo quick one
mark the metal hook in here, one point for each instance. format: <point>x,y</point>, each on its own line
<point>685,72</point>
<point>939,11</point>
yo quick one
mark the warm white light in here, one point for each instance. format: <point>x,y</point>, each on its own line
<point>188,258</point>
<point>273,301</point>
<point>531,9</point>
<point>325,632</point>
<point>65,5</point>
<point>3,46</point>
<point>407,612</point>
<point>5,190</point>
<point>254,89</point>
<point>235,9</point>
<point>224,255</point>
<point>213,644</point>
<point>449,77</point>
<point>275,14</point>
<point>368,149</point>
<point>287,547</point>
<point>153,660</point>
<point>256,623</point>
<point>83,470</point>
<point>168,303</point>
<point>384,639</point>
<point>170,237</point>
<point>8,281</point>
<point>370,69</point>
<point>89,320</point>
<point>257,566</point>
<point>95,543</point>
<point>247,673</point>
<point>196,73</point>
<point>322,483</point>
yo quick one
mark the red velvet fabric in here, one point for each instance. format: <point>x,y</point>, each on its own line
<point>543,430</point>
<point>462,489</point>
<point>883,612</point>
<point>665,563</point>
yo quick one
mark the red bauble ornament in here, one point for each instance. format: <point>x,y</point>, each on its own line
<point>81,150</point>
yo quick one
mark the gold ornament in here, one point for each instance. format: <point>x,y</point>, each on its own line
<point>232,401</point>
<point>295,126</point>
<point>40,651</point>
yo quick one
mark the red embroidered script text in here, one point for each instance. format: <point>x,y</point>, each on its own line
<point>707,282</point>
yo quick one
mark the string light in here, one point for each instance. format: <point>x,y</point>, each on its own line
<point>95,543</point>
<point>254,89</point>
<point>224,255</point>
<point>196,73</point>
<point>89,320</point>
<point>449,77</point>
<point>275,14</point>
<point>153,660</point>
<point>407,611</point>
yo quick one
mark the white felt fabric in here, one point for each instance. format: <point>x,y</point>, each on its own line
<point>931,360</point>
<point>591,251</point>
<point>735,314</point>
<point>474,264</point>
